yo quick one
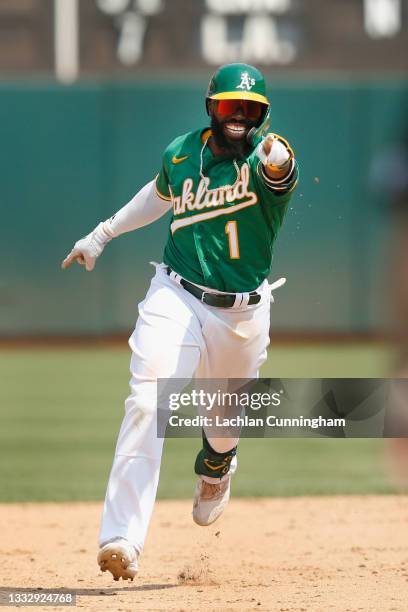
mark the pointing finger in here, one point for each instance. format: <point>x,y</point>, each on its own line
<point>267,144</point>
<point>68,261</point>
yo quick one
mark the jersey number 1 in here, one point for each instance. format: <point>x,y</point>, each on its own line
<point>231,230</point>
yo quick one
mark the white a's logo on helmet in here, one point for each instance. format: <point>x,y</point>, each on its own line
<point>246,82</point>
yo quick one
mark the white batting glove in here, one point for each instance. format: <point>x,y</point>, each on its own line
<point>273,152</point>
<point>88,249</point>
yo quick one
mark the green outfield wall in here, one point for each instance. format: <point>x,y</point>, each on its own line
<point>71,156</point>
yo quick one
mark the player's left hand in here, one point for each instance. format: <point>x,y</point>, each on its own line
<point>274,152</point>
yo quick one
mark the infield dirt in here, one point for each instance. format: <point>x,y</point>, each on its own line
<point>341,554</point>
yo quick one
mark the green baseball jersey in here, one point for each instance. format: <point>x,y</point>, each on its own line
<point>225,220</point>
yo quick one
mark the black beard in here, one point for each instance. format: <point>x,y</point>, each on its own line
<point>238,149</point>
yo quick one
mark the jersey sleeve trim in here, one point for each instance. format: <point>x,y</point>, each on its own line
<point>280,186</point>
<point>161,195</point>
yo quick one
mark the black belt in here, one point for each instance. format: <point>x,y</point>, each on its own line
<point>219,300</point>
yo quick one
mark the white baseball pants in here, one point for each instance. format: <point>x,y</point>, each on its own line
<point>176,336</point>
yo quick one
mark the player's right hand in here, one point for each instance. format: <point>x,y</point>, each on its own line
<point>86,250</point>
<point>274,151</point>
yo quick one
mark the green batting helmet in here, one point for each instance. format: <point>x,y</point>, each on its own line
<point>240,82</point>
<point>237,82</point>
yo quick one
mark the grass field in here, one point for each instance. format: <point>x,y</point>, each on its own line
<point>60,411</point>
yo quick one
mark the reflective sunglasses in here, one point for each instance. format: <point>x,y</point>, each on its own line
<point>251,110</point>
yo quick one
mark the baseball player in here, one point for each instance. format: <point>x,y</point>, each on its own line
<point>207,311</point>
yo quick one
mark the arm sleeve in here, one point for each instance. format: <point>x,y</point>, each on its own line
<point>144,208</point>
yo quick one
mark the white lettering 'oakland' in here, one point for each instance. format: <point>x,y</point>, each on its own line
<point>212,198</point>
<point>219,199</point>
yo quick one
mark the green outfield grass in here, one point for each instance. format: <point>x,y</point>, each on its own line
<point>60,411</point>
